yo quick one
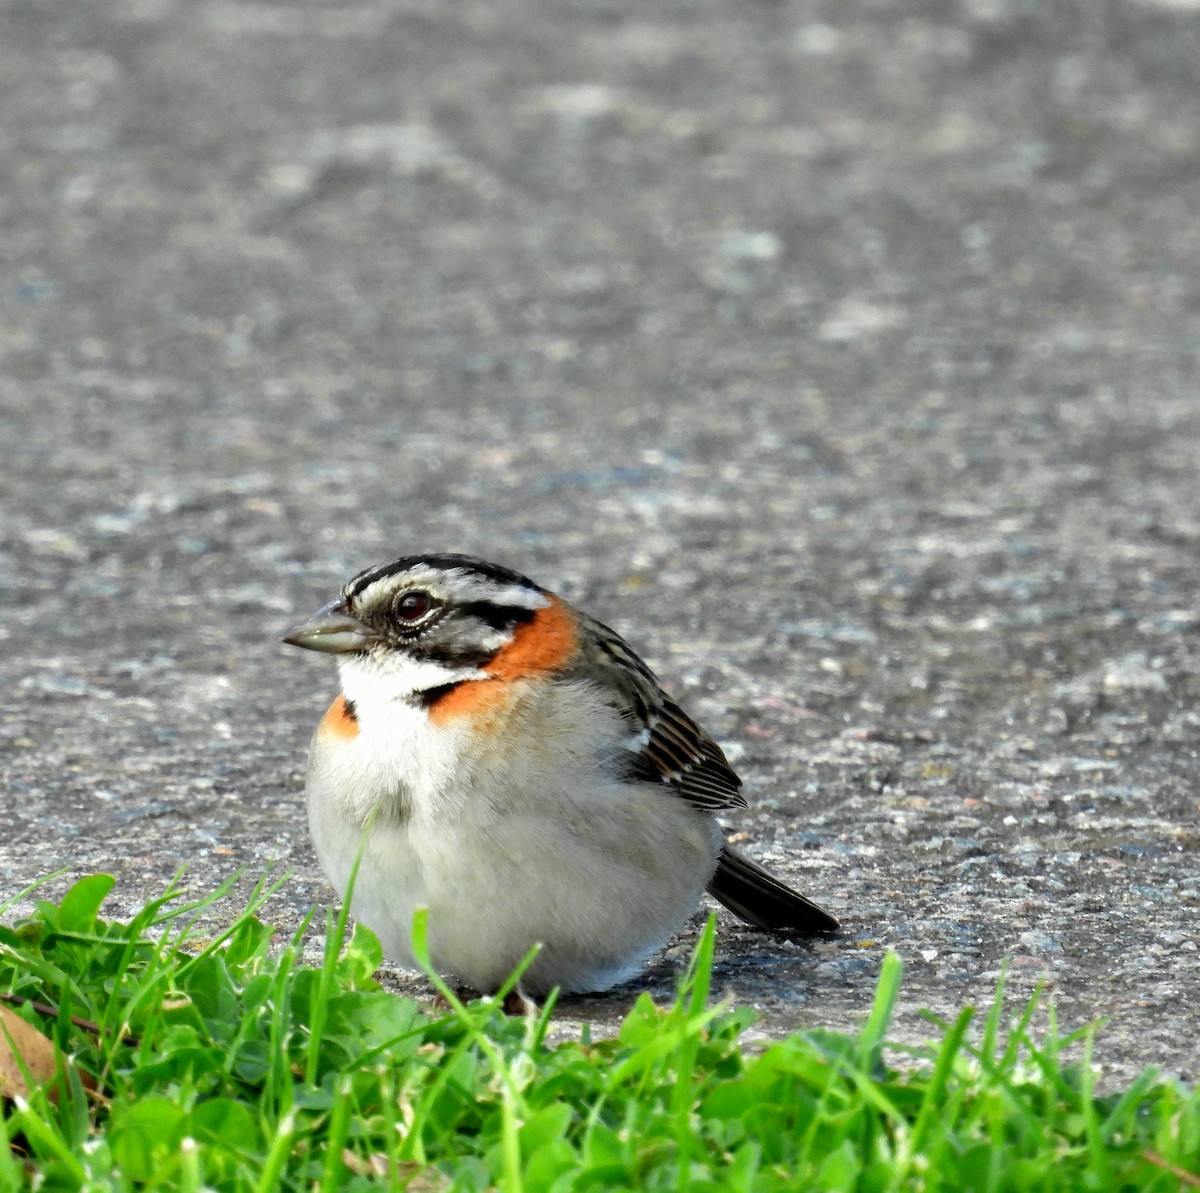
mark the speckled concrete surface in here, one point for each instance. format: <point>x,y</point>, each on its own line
<point>843,357</point>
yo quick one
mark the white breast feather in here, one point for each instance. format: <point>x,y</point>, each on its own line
<point>515,833</point>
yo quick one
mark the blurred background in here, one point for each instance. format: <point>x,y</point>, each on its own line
<point>842,356</point>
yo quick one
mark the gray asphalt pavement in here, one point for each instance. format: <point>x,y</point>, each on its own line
<point>844,357</point>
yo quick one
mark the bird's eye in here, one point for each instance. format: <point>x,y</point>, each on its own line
<point>412,606</point>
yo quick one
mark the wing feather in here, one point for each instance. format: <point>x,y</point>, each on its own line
<point>665,744</point>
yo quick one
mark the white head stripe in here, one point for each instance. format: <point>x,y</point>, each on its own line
<point>517,597</point>
<point>456,585</point>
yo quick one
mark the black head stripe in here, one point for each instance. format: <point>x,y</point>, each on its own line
<point>447,562</point>
<point>498,617</point>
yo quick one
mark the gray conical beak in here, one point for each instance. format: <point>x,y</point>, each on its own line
<point>331,629</point>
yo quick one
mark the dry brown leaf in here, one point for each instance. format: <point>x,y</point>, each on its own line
<point>373,1165</point>
<point>19,1040</point>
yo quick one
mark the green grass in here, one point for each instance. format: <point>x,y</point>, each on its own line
<point>225,1064</point>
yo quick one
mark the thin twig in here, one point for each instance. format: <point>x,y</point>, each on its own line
<point>1180,1174</point>
<point>43,1008</point>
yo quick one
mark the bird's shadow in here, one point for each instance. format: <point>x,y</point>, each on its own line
<point>750,968</point>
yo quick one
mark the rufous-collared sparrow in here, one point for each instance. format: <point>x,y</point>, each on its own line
<point>510,763</point>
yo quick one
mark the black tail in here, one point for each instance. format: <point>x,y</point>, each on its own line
<point>759,899</point>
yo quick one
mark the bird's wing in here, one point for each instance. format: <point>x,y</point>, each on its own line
<point>665,745</point>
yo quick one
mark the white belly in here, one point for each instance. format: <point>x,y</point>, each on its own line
<point>506,852</point>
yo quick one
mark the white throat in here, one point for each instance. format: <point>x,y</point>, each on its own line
<point>370,683</point>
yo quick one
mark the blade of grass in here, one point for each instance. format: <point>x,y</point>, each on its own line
<point>335,935</point>
<point>991,1025</point>
<point>271,1178</point>
<point>1099,1165</point>
<point>262,892</point>
<point>887,990</point>
<point>1121,1116</point>
<point>536,1036</point>
<point>938,1110</point>
<point>694,992</point>
<point>339,1129</point>
<point>33,887</point>
<point>511,1100</point>
<point>189,1166</point>
<point>35,1125</point>
<point>11,1177</point>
